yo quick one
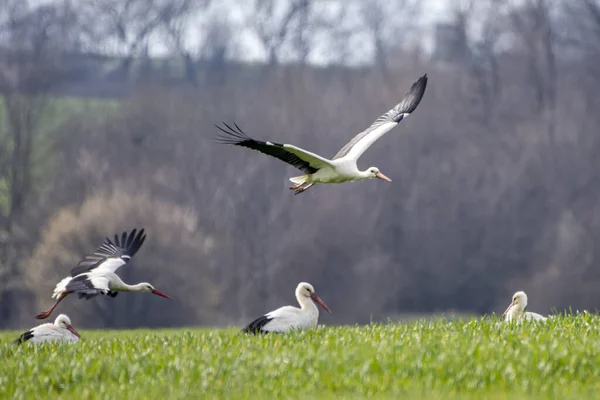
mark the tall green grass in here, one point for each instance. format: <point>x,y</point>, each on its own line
<point>477,358</point>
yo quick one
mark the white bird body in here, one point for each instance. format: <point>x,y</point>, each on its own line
<point>340,171</point>
<point>103,279</point>
<point>60,330</point>
<point>96,274</point>
<point>516,309</point>
<point>343,167</point>
<point>289,318</point>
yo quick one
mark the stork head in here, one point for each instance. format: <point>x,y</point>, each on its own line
<point>64,322</point>
<point>373,172</point>
<point>305,289</point>
<point>517,306</point>
<point>148,288</point>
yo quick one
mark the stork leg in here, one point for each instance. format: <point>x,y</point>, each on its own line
<point>46,314</point>
<point>303,188</point>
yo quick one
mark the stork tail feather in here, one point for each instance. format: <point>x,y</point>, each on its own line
<point>61,287</point>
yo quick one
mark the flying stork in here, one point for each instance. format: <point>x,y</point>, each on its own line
<point>95,274</point>
<point>342,167</point>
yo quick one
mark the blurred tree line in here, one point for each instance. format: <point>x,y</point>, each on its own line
<point>495,177</point>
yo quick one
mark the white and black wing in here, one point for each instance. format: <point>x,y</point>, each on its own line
<point>24,337</point>
<point>111,255</point>
<point>281,320</point>
<point>361,142</point>
<point>257,326</point>
<point>305,161</point>
<point>87,286</point>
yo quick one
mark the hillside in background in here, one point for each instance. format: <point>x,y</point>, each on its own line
<point>495,176</point>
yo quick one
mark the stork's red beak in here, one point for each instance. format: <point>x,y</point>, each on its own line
<point>161,294</point>
<point>382,177</point>
<point>318,300</point>
<point>509,307</point>
<point>72,330</point>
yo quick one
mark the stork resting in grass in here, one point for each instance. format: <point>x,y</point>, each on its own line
<point>288,318</point>
<point>60,330</point>
<point>516,309</point>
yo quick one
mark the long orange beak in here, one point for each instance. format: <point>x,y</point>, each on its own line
<point>382,177</point>
<point>72,330</point>
<point>509,307</point>
<point>161,294</point>
<point>318,300</point>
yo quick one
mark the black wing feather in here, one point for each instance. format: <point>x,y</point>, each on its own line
<point>129,241</point>
<point>124,247</point>
<point>24,337</point>
<point>255,327</point>
<point>237,137</point>
<point>412,99</point>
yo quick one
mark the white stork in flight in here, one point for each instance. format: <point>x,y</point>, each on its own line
<point>516,309</point>
<point>60,330</point>
<point>342,167</point>
<point>287,318</point>
<point>95,274</point>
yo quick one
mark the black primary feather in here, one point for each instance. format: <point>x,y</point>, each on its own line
<point>237,137</point>
<point>24,337</point>
<point>255,327</point>
<point>125,248</point>
<point>414,96</point>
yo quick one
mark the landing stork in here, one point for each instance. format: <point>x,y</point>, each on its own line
<point>95,274</point>
<point>287,318</point>
<point>342,167</point>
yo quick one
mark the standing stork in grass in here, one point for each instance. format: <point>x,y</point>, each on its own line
<point>288,318</point>
<point>516,309</point>
<point>60,330</point>
<point>95,274</point>
<point>342,167</point>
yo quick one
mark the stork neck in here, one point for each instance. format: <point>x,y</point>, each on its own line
<point>515,311</point>
<point>134,288</point>
<point>306,304</point>
<point>118,284</point>
<point>365,174</point>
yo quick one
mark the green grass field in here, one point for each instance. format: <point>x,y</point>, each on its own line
<point>441,359</point>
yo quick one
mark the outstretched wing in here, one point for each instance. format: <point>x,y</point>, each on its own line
<point>304,160</point>
<point>111,255</point>
<point>361,142</point>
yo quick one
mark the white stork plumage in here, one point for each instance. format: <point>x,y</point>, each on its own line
<point>60,330</point>
<point>288,318</point>
<point>516,309</point>
<point>342,168</point>
<point>95,274</point>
